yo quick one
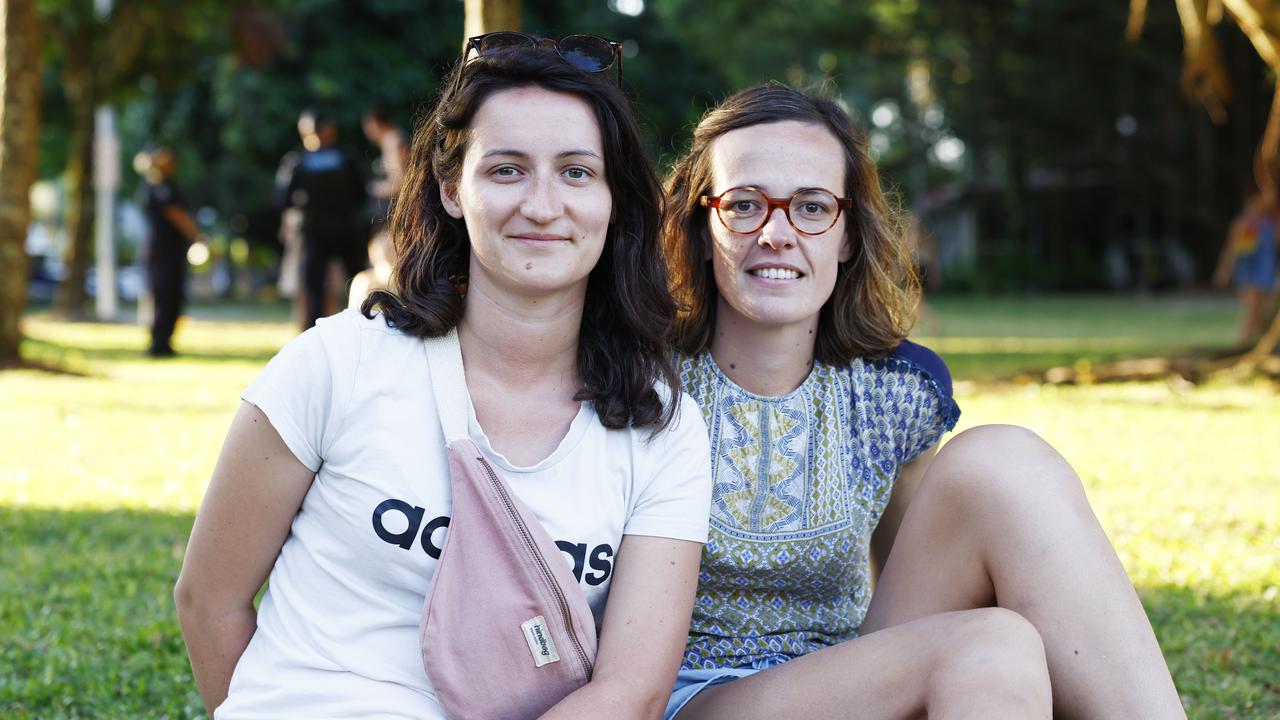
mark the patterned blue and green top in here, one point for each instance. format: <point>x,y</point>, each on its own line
<point>800,481</point>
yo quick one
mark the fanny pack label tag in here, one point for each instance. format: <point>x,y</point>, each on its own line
<point>538,635</point>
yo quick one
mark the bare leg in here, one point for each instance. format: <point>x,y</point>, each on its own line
<point>1251,305</point>
<point>1000,518</point>
<point>975,664</point>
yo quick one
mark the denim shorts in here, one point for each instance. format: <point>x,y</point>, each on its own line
<point>692,682</point>
<point>1256,270</point>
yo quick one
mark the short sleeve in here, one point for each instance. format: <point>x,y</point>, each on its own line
<point>304,388</point>
<point>673,494</point>
<point>925,409</point>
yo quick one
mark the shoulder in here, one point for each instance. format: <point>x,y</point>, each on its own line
<point>356,352</point>
<point>352,323</point>
<point>918,358</point>
<point>351,333</point>
<point>913,371</point>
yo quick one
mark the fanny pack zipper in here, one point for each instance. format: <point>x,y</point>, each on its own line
<point>532,548</point>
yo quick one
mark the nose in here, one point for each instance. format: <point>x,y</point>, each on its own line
<point>777,232</point>
<point>542,203</point>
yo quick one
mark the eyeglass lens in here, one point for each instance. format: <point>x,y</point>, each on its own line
<point>586,52</point>
<point>744,210</point>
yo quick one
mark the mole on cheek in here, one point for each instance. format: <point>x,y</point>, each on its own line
<point>528,266</point>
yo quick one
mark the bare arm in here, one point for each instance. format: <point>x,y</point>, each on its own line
<point>645,626</point>
<point>182,220</point>
<point>256,489</point>
<point>904,489</point>
<point>1227,260</point>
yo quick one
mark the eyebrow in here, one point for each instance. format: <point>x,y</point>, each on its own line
<point>512,152</point>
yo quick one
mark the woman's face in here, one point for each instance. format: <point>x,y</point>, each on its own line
<point>776,277</point>
<point>533,193</point>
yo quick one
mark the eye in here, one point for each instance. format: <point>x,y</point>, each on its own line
<point>744,207</point>
<point>577,173</point>
<point>505,171</point>
<point>813,205</point>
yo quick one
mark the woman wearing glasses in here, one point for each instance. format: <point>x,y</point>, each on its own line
<point>527,223</point>
<point>796,294</point>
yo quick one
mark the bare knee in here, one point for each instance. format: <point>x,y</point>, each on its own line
<point>999,633</point>
<point>996,654</point>
<point>994,464</point>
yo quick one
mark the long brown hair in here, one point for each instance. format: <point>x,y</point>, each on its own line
<point>624,346</point>
<point>872,307</point>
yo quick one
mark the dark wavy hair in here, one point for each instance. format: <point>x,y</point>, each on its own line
<point>624,348</point>
<point>872,307</point>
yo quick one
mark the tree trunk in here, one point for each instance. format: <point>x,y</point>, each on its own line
<point>19,126</point>
<point>486,16</point>
<point>79,88</point>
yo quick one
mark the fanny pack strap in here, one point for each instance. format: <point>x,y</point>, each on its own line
<point>444,363</point>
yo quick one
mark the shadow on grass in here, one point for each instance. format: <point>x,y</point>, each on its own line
<point>89,629</point>
<point>68,359</point>
<point>40,366</point>
<point>1223,650</point>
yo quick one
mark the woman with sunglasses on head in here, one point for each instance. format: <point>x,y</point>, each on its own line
<point>796,293</point>
<point>527,224</point>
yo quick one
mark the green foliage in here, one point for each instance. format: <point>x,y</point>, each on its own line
<point>101,471</point>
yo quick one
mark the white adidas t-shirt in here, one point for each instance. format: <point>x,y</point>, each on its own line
<point>337,632</point>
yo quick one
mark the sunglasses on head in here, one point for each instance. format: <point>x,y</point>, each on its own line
<point>588,53</point>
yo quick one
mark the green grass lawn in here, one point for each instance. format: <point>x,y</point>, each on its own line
<point>103,466</point>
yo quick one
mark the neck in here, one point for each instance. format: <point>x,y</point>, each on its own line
<point>765,360</point>
<point>520,340</point>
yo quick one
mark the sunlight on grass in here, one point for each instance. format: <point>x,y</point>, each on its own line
<point>133,432</point>
<point>1183,483</point>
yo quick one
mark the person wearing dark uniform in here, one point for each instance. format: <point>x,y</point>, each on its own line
<point>326,183</point>
<point>172,230</point>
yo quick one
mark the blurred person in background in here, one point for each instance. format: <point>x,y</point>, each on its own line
<point>389,139</point>
<point>388,174</point>
<point>171,232</point>
<point>1248,261</point>
<point>325,183</point>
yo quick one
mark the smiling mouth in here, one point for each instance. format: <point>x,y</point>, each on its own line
<point>774,273</point>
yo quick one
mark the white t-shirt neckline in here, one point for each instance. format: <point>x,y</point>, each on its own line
<point>581,422</point>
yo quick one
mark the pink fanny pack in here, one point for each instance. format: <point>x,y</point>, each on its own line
<point>506,631</point>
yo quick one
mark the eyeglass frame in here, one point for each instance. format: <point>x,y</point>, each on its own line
<point>536,41</point>
<point>771,204</point>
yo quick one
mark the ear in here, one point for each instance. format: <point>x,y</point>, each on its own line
<point>449,198</point>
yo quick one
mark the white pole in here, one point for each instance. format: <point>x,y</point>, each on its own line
<point>106,178</point>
